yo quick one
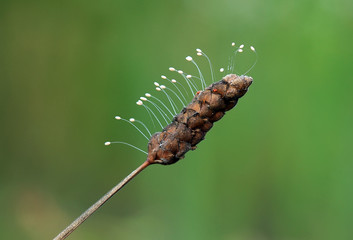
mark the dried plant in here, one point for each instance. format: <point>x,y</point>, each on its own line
<point>186,129</point>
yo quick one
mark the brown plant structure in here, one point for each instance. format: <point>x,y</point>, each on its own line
<point>190,126</point>
<point>186,130</point>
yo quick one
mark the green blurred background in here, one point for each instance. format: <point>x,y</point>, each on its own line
<point>279,166</point>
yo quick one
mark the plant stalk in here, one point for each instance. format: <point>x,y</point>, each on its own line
<point>69,229</point>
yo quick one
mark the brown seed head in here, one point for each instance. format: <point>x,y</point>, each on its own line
<point>190,126</point>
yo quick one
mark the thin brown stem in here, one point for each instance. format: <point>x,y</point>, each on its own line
<point>69,229</point>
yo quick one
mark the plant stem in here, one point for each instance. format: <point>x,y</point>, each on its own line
<point>69,229</point>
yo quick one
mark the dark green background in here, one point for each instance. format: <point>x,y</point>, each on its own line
<point>279,166</point>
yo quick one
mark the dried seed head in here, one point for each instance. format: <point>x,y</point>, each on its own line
<point>187,129</point>
<point>190,126</point>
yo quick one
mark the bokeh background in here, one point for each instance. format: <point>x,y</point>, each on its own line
<point>279,166</point>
